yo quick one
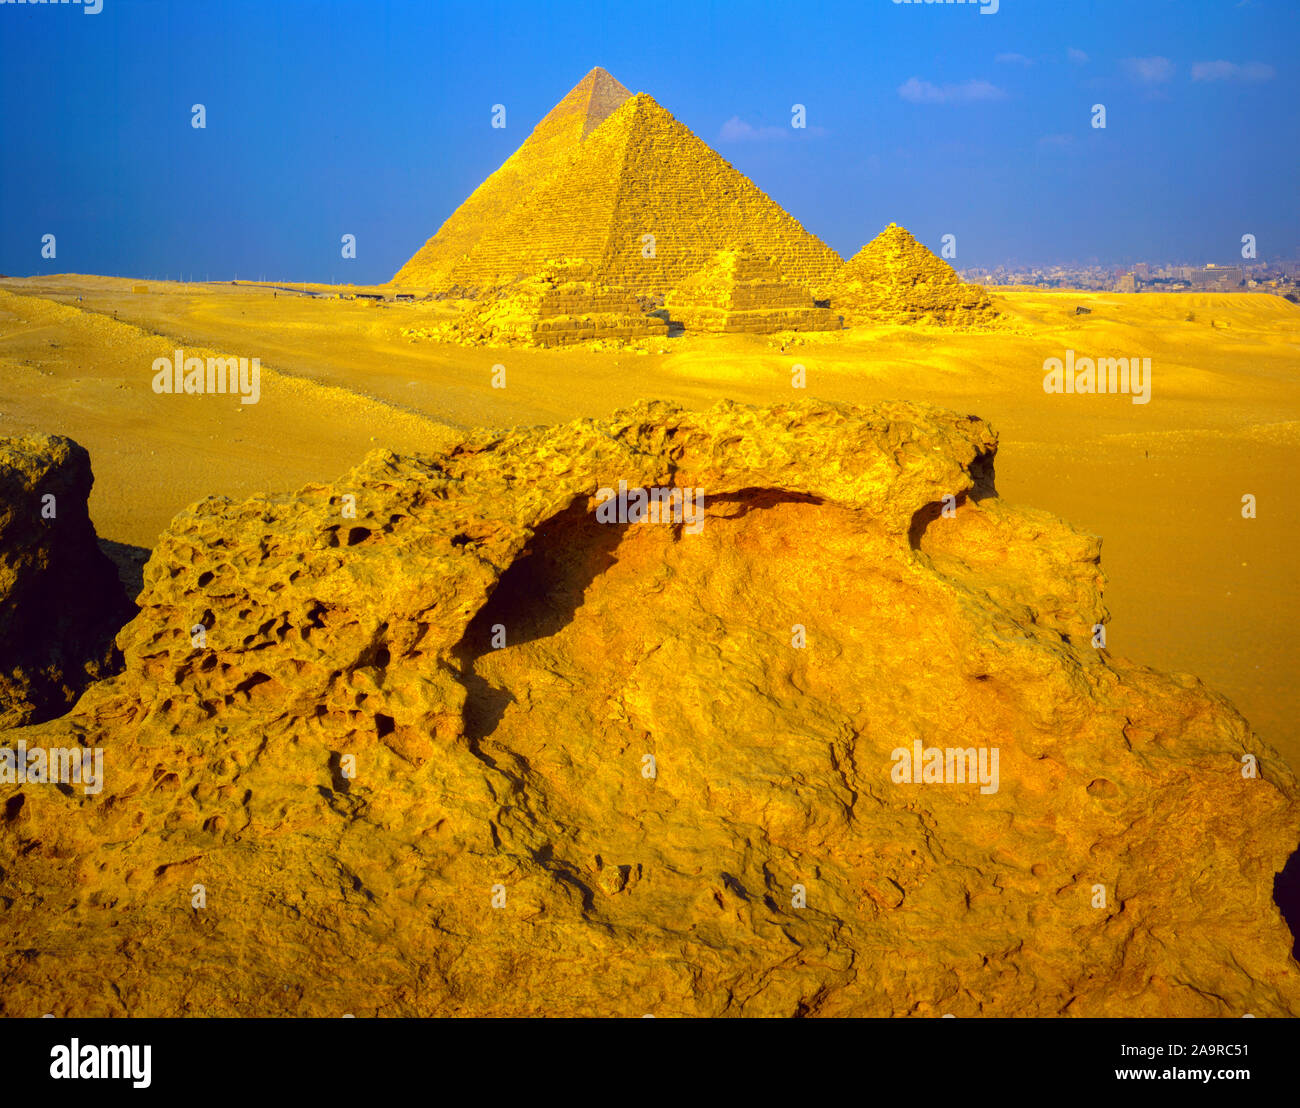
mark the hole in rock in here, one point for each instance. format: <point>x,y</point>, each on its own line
<point>384,725</point>
<point>534,598</point>
<point>923,517</point>
<point>984,487</point>
<point>358,534</point>
<point>337,778</point>
<point>574,559</point>
<point>982,470</point>
<point>733,883</point>
<point>751,500</point>
<point>1286,894</point>
<point>249,683</point>
<point>539,592</point>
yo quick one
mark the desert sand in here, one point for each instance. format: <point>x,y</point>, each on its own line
<point>1193,587</point>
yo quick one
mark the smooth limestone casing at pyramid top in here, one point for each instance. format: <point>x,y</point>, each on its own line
<point>592,183</point>
<point>553,141</point>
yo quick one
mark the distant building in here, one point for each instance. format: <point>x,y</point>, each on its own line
<point>1216,278</point>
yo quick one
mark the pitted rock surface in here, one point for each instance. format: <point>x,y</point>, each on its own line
<point>396,729</point>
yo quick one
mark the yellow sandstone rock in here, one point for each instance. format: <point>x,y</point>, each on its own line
<point>61,601</point>
<point>450,744</point>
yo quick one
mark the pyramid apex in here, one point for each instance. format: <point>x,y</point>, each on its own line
<point>643,100</point>
<point>639,108</point>
<point>600,79</point>
<point>590,102</point>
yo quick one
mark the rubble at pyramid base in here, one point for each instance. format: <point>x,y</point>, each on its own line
<point>950,306</point>
<point>611,327</point>
<point>762,321</point>
<point>559,306</point>
<point>740,291</point>
<point>567,330</point>
<point>962,319</point>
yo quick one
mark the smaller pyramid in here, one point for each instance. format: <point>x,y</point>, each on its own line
<point>738,290</point>
<point>894,279</point>
<point>561,305</point>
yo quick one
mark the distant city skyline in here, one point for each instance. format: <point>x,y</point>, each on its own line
<point>1244,262</point>
<point>1279,264</point>
<point>375,120</point>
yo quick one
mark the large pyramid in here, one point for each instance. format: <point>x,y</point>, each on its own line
<point>558,136</point>
<point>629,190</point>
<point>894,279</point>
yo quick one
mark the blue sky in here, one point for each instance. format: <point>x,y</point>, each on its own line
<point>373,118</point>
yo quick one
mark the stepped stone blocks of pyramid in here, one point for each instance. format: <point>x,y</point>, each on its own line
<point>894,279</point>
<point>558,136</point>
<point>740,291</point>
<point>594,188</point>
<point>559,306</point>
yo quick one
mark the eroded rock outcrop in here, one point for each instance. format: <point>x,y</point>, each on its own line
<point>60,598</point>
<point>470,749</point>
